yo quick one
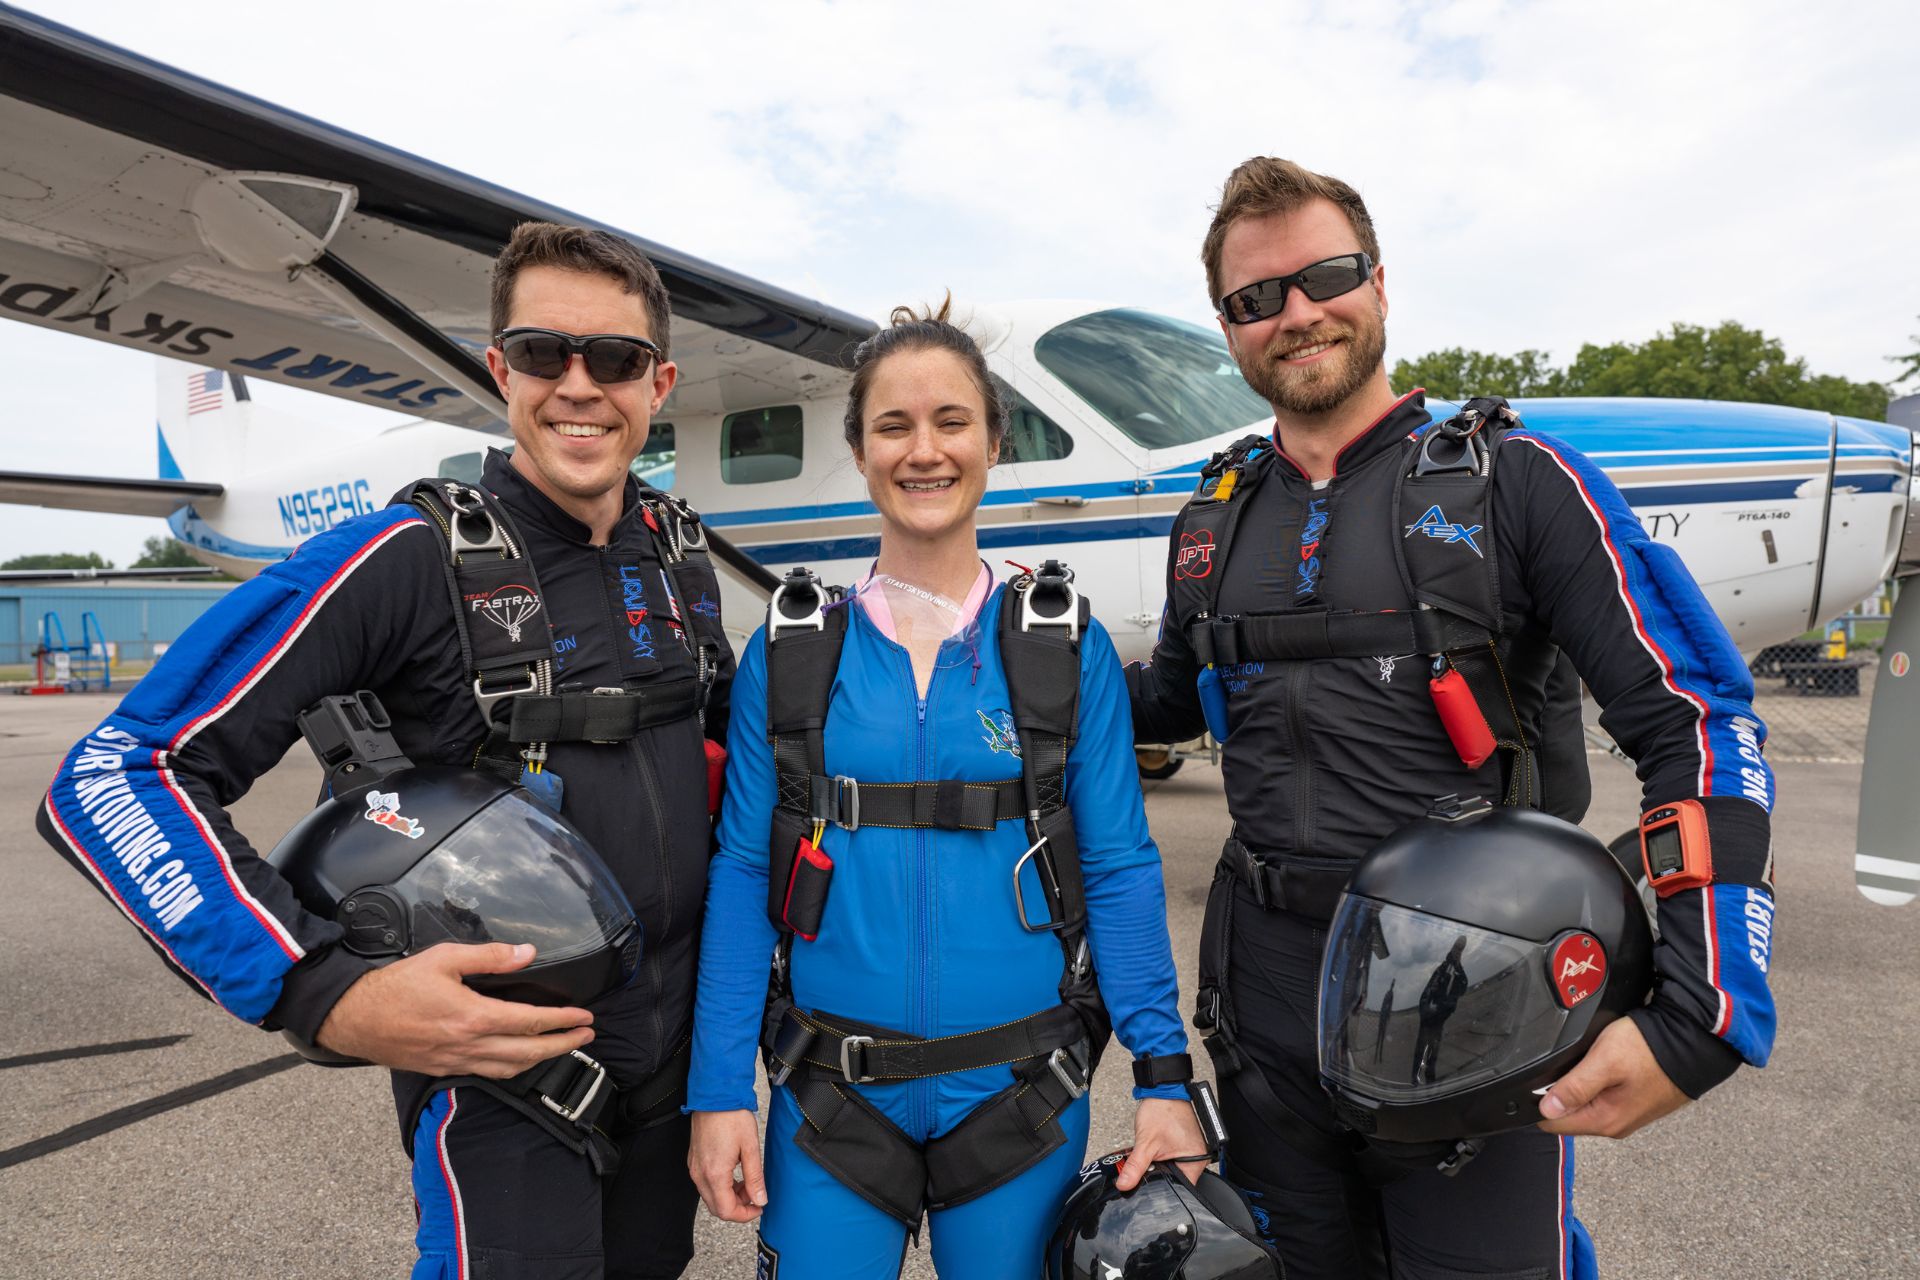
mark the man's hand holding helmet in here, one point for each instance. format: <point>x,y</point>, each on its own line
<point>1615,1090</point>
<point>418,1014</point>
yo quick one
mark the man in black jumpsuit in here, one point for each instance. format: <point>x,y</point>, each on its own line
<point>1324,756</point>
<point>367,606</point>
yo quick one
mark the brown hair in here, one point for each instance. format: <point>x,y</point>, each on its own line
<point>550,244</point>
<point>924,330</point>
<point>1265,185</point>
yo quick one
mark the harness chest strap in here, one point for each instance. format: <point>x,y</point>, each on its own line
<point>1454,614</point>
<point>489,572</point>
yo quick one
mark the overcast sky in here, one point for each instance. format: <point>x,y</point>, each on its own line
<point>1541,174</point>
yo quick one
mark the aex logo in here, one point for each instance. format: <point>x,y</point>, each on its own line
<point>1436,525</point>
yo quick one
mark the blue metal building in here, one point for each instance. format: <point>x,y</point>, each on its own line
<point>134,616</point>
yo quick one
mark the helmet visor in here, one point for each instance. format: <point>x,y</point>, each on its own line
<point>512,873</point>
<point>1415,1007</point>
<point>1143,1235</point>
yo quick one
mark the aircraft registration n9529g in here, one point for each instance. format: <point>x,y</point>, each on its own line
<point>156,210</point>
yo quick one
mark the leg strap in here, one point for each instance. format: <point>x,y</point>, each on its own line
<point>1213,1019</point>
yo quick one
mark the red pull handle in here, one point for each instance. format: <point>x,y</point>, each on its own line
<point>1460,713</point>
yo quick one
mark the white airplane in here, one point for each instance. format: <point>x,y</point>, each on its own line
<point>156,210</point>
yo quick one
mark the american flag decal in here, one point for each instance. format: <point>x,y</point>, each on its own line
<point>203,391</point>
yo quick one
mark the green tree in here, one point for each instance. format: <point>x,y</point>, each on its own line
<point>164,553</point>
<point>1689,361</point>
<point>59,560</point>
<point>1456,373</point>
<point>1909,361</point>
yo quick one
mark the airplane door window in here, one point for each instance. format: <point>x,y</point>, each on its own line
<point>464,467</point>
<point>1163,381</point>
<point>1031,435</point>
<point>759,446</point>
<point>654,463</point>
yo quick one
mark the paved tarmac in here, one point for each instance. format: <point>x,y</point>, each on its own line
<point>1805,1170</point>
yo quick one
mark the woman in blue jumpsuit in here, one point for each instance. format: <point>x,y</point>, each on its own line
<point>921,931</point>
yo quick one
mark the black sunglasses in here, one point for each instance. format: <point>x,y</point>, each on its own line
<point>545,353</point>
<point>1320,281</point>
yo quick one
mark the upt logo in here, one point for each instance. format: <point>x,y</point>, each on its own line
<point>1196,555</point>
<point>1436,525</point>
<point>1311,532</point>
<point>508,607</point>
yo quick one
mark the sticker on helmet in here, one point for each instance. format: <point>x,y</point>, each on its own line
<point>384,808</point>
<point>1578,968</point>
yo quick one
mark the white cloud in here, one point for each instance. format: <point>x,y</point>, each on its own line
<point>1543,174</point>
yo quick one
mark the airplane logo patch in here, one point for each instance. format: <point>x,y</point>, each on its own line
<point>1436,525</point>
<point>1000,734</point>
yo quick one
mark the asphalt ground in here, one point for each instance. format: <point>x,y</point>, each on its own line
<point>1804,1170</point>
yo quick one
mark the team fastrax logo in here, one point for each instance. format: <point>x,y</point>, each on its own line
<point>508,607</point>
<point>1436,525</point>
<point>384,808</point>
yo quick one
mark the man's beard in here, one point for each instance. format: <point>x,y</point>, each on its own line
<point>1318,388</point>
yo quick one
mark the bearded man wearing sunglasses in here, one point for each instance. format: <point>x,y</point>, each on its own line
<point>1314,621</point>
<point>557,624</point>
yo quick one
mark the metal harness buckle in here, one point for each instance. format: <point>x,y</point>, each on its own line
<point>1056,1063</point>
<point>844,802</point>
<point>1254,868</point>
<point>778,620</point>
<point>847,1048</point>
<point>1059,578</point>
<point>471,509</point>
<point>490,698</point>
<point>573,1112</point>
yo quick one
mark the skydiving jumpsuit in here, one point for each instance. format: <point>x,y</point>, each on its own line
<point>366,606</point>
<point>1326,756</point>
<point>921,934</point>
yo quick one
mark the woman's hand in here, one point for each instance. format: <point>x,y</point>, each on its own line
<point>1162,1129</point>
<point>722,1142</point>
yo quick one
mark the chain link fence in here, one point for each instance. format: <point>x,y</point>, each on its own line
<point>1813,695</point>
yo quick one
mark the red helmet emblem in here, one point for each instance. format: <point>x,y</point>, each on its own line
<point>1577,967</point>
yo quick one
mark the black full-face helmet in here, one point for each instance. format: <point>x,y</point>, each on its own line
<point>1475,957</point>
<point>436,854</point>
<point>1164,1229</point>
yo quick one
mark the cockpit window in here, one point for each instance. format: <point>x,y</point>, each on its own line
<point>1164,382</point>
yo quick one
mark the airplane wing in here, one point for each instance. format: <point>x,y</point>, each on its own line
<point>155,210</point>
<point>97,493</point>
<point>92,575</point>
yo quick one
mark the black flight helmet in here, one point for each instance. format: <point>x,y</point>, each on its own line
<point>1164,1229</point>
<point>406,858</point>
<point>1475,957</point>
